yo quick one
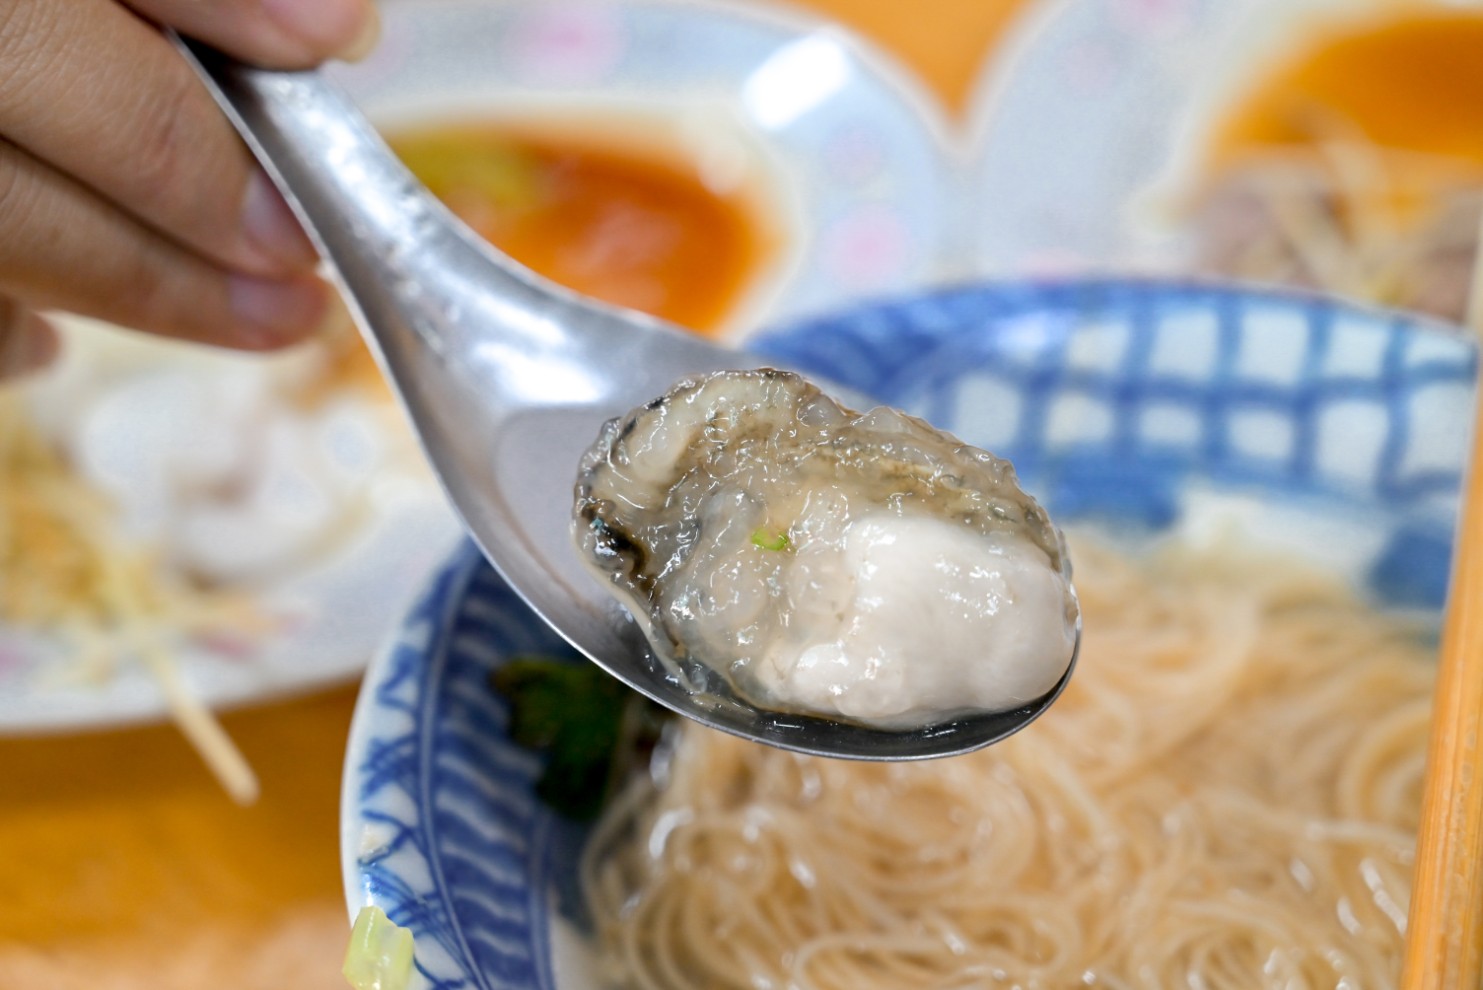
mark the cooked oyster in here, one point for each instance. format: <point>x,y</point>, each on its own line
<point>863,566</point>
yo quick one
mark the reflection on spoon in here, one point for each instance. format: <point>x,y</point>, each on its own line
<point>506,379</point>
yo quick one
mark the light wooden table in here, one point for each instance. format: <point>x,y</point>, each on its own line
<point>123,866</point>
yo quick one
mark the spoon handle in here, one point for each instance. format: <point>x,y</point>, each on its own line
<point>342,181</point>
<point>384,236</point>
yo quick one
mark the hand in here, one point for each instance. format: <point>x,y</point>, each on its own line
<point>127,196</point>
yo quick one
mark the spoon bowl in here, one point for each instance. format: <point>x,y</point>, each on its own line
<point>507,379</point>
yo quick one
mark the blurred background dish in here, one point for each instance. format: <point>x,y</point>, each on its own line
<point>717,166</point>
<point>758,164</point>
<point>191,527</point>
<point>1317,144</point>
<point>1331,433</point>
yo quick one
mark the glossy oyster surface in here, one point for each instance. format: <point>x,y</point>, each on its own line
<point>860,566</point>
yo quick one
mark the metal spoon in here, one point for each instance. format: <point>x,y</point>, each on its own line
<point>507,379</point>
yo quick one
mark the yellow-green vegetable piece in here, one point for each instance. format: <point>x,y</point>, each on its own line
<point>761,538</point>
<point>380,952</point>
<point>498,173</point>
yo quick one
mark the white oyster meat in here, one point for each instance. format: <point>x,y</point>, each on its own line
<point>859,566</point>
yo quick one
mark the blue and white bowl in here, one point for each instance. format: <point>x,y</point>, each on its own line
<point>1334,431</point>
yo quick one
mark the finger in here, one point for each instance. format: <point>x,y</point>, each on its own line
<point>67,248</point>
<point>90,88</point>
<point>278,34</point>
<point>27,342</point>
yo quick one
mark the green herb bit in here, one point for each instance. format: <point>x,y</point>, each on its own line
<point>587,723</point>
<point>380,953</point>
<point>767,541</point>
<point>459,166</point>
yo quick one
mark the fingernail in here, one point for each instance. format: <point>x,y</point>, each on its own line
<point>347,28</point>
<point>273,313</point>
<point>29,344</point>
<point>270,229</point>
<point>365,40</point>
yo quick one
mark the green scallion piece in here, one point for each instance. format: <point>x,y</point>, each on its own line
<point>380,952</point>
<point>768,541</point>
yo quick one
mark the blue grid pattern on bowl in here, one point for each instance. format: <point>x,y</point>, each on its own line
<point>1113,397</point>
<point>1050,373</point>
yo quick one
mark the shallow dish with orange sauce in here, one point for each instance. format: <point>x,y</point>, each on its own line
<point>1354,163</point>
<point>613,216</point>
<point>761,165</point>
<point>1313,143</point>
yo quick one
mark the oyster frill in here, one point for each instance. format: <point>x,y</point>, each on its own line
<point>859,566</point>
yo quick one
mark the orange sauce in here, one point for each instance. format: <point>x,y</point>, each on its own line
<point>623,224</point>
<point>1410,80</point>
<point>946,49</point>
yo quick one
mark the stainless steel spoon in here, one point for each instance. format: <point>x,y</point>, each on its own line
<point>507,379</point>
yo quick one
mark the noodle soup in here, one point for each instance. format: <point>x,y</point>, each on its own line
<point>1225,796</point>
<point>1259,491</point>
